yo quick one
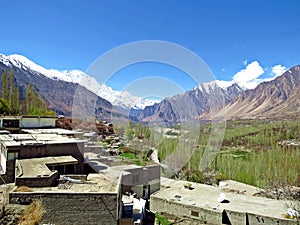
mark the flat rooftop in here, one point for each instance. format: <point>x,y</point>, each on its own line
<point>37,167</point>
<point>11,140</point>
<point>59,131</point>
<point>99,183</point>
<point>240,198</point>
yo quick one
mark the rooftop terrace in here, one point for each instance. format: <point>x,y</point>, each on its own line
<point>175,198</point>
<point>11,140</point>
<point>99,183</point>
<point>59,131</point>
<point>37,167</point>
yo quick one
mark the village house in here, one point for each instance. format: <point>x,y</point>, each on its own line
<point>14,124</point>
<point>119,195</point>
<point>27,146</point>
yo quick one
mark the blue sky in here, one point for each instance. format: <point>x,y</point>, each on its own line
<point>230,36</point>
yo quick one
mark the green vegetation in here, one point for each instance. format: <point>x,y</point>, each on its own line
<point>133,157</point>
<point>139,131</point>
<point>128,155</point>
<point>252,152</point>
<point>34,104</point>
<point>129,131</point>
<point>10,103</point>
<point>160,219</point>
<point>258,153</point>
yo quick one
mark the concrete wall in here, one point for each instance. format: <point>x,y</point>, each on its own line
<point>37,122</point>
<point>141,175</point>
<point>182,210</point>
<point>211,216</point>
<point>73,208</point>
<point>154,185</point>
<point>3,157</point>
<point>36,151</point>
<point>137,179</point>
<point>9,176</point>
<point>37,181</point>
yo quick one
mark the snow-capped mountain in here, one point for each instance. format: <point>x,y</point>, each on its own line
<point>121,99</point>
<point>57,93</point>
<point>191,104</point>
<point>212,85</point>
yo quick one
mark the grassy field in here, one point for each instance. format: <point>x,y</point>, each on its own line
<point>252,151</point>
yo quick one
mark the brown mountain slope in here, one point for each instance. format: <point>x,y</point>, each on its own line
<point>63,97</point>
<point>190,104</point>
<point>277,98</point>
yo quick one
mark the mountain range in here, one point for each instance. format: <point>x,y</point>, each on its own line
<point>59,88</point>
<point>191,104</point>
<point>57,93</point>
<point>277,98</point>
<point>121,99</point>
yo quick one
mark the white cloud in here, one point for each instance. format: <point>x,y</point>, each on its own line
<point>248,77</point>
<point>278,70</point>
<point>245,62</point>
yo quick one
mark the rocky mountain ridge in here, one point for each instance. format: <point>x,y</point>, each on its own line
<point>277,98</point>
<point>120,99</point>
<point>59,94</point>
<point>191,104</point>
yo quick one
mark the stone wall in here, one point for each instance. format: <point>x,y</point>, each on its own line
<point>11,214</point>
<point>73,208</point>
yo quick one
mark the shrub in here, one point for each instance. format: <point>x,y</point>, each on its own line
<point>23,189</point>
<point>33,214</point>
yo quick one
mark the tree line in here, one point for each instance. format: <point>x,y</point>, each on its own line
<point>140,131</point>
<point>11,104</point>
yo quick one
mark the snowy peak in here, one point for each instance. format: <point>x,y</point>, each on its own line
<point>122,99</point>
<point>22,62</point>
<point>212,86</point>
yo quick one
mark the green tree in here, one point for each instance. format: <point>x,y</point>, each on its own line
<point>4,108</point>
<point>10,101</point>
<point>146,132</point>
<point>4,86</point>
<point>129,132</point>
<point>15,101</point>
<point>10,93</point>
<point>138,129</point>
<point>34,105</point>
<point>11,87</point>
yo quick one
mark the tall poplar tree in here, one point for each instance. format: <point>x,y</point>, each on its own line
<point>5,94</point>
<point>11,88</point>
<point>34,105</point>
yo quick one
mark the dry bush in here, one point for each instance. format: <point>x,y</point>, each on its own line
<point>278,189</point>
<point>33,214</point>
<point>23,189</point>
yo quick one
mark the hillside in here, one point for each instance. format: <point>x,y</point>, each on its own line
<point>276,98</point>
<point>191,104</point>
<point>59,94</point>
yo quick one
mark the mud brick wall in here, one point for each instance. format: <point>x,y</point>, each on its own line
<point>73,208</point>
